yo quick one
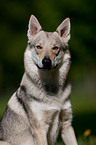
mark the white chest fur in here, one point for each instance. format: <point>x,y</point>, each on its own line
<point>44,111</point>
<point>48,117</point>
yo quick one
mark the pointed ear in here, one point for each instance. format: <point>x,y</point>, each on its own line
<point>64,29</point>
<point>34,26</point>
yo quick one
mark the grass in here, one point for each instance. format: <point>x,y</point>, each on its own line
<point>84,119</point>
<point>84,139</point>
<point>87,140</point>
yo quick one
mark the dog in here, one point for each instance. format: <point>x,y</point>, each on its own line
<point>41,109</point>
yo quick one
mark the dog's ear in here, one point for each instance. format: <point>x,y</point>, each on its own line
<point>34,26</point>
<point>64,29</point>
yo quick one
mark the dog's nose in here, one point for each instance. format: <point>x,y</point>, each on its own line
<point>46,63</point>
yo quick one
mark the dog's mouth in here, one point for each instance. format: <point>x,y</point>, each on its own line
<point>47,68</point>
<point>44,68</point>
<point>46,64</point>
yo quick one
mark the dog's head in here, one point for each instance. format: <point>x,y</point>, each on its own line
<point>47,49</point>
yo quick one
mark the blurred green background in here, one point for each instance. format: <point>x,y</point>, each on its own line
<point>14,18</point>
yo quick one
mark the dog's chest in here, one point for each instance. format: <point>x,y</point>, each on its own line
<point>48,117</point>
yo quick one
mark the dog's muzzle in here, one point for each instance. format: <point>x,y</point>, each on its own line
<point>47,63</point>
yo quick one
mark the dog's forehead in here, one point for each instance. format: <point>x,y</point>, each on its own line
<point>47,37</point>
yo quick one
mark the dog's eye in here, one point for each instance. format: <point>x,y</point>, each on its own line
<point>39,47</point>
<point>55,48</point>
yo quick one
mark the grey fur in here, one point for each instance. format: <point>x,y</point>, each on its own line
<point>41,107</point>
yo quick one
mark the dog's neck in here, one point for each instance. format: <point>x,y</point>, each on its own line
<point>50,82</point>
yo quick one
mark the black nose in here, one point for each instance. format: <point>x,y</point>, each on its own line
<point>46,63</point>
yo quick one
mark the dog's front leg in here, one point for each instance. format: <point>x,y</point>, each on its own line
<point>67,131</point>
<point>40,137</point>
<point>36,129</point>
<point>68,136</point>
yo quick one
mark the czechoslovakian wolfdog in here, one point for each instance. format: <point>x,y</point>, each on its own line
<point>40,109</point>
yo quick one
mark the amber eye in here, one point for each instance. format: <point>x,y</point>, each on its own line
<point>55,48</point>
<point>39,47</point>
